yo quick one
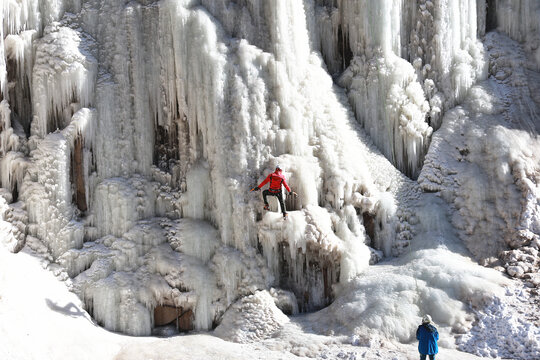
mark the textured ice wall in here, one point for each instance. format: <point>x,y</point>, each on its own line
<point>521,21</point>
<point>156,262</point>
<point>168,86</point>
<point>409,53</point>
<point>63,78</point>
<point>21,18</point>
<point>282,103</point>
<point>47,188</point>
<point>13,221</point>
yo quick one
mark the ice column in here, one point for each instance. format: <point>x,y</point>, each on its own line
<point>47,193</point>
<point>446,52</point>
<point>383,88</point>
<point>520,19</point>
<point>63,79</point>
<point>12,162</point>
<point>20,54</point>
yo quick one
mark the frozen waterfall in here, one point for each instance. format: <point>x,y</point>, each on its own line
<point>131,133</point>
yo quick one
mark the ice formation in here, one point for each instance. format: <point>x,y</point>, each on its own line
<point>521,21</point>
<point>503,131</point>
<point>414,53</point>
<point>131,133</point>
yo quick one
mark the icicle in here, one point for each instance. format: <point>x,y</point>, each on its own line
<point>62,76</point>
<point>119,203</point>
<point>47,192</point>
<point>8,141</point>
<point>521,21</point>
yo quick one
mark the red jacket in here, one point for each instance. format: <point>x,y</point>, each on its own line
<point>276,179</point>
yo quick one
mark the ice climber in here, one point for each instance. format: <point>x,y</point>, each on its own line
<point>276,179</point>
<point>427,337</point>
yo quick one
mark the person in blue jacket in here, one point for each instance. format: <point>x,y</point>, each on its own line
<point>427,336</point>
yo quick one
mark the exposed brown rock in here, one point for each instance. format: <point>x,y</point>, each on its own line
<point>164,315</point>
<point>369,224</point>
<point>78,174</point>
<point>185,321</point>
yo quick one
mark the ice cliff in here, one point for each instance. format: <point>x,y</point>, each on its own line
<point>131,133</point>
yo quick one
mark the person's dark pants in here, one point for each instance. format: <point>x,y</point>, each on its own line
<point>279,196</point>
<point>423,357</point>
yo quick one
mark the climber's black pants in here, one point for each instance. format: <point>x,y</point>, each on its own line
<point>279,196</point>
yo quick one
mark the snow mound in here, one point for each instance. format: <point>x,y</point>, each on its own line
<point>252,318</point>
<point>390,300</point>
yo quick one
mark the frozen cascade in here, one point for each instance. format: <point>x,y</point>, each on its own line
<point>21,18</point>
<point>130,135</point>
<point>414,53</point>
<point>47,188</point>
<point>62,78</point>
<point>521,21</point>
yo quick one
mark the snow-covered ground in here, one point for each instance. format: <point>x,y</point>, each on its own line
<point>46,321</point>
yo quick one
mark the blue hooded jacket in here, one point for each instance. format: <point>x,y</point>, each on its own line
<point>427,337</point>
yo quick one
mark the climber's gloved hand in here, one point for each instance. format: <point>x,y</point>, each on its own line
<point>292,193</point>
<point>256,188</point>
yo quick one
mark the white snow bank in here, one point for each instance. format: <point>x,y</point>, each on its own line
<point>45,315</point>
<point>52,319</point>
<point>391,299</point>
<point>251,319</point>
